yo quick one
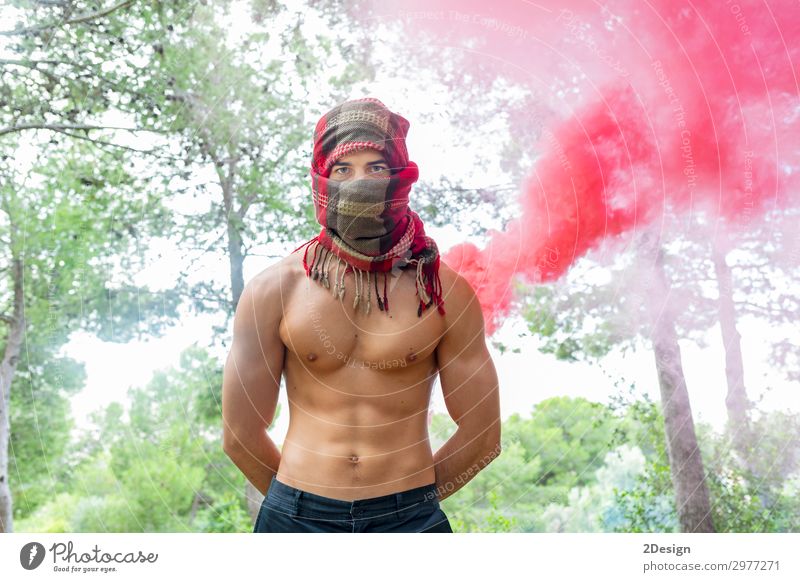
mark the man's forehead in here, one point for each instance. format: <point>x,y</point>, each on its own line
<point>367,156</point>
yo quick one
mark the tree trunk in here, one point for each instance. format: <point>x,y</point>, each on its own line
<point>686,463</point>
<point>736,401</point>
<point>8,367</point>
<point>236,259</point>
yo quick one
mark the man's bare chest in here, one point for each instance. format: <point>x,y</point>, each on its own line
<point>327,333</point>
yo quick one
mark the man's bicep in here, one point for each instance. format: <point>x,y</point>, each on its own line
<point>252,374</point>
<point>466,370</point>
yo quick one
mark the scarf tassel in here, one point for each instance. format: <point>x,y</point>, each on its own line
<point>385,298</point>
<point>363,280</point>
<point>377,295</point>
<point>429,286</point>
<point>305,254</point>
<point>428,283</point>
<point>358,288</point>
<point>314,271</point>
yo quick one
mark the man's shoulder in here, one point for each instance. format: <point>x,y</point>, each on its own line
<point>464,321</point>
<point>278,278</point>
<point>456,290</point>
<point>463,310</point>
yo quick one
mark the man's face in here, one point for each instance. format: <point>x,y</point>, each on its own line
<point>368,163</point>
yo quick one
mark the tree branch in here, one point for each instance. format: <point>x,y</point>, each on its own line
<point>101,142</point>
<point>99,13</point>
<point>761,308</point>
<point>31,64</point>
<point>77,20</point>
<point>67,126</point>
<point>205,251</point>
<point>244,205</point>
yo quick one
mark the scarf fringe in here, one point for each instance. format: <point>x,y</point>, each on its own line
<point>428,283</point>
<point>429,286</point>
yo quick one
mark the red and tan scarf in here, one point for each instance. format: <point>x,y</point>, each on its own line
<point>367,227</point>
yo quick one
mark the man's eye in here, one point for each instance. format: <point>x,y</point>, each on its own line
<point>378,168</point>
<point>339,169</point>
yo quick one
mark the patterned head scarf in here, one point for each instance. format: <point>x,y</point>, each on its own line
<point>367,227</point>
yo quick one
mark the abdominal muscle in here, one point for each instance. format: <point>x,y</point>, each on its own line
<point>356,433</point>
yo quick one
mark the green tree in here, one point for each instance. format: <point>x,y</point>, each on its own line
<point>67,220</point>
<point>71,216</point>
<point>156,466</point>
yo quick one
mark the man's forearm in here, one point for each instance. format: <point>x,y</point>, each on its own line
<point>258,460</point>
<point>462,457</point>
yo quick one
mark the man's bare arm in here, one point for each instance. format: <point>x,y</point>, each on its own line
<point>471,393</point>
<point>251,381</point>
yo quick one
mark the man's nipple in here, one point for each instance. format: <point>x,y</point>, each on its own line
<point>311,356</point>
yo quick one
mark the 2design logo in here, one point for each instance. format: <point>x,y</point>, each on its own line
<point>31,555</point>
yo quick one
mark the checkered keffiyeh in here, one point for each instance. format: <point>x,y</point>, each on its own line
<point>367,227</point>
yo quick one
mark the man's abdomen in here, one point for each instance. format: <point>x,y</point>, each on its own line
<point>348,447</point>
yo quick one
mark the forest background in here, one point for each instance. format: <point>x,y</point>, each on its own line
<point>154,159</point>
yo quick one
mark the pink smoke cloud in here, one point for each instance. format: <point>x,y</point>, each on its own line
<point>681,105</point>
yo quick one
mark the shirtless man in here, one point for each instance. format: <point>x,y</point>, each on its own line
<point>357,455</point>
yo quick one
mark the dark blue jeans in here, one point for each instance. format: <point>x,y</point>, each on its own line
<point>288,510</point>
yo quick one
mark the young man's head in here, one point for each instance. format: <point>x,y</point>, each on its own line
<point>361,179</point>
<point>361,174</point>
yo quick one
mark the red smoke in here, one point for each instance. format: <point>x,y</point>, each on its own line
<point>686,105</point>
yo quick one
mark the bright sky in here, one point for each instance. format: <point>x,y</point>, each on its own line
<point>525,378</point>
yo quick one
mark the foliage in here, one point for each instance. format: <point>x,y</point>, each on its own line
<point>752,496</point>
<point>158,466</point>
<point>68,220</point>
<point>592,508</point>
<point>559,447</point>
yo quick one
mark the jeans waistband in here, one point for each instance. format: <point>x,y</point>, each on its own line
<point>299,501</point>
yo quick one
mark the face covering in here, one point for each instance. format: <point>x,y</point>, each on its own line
<point>367,227</point>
